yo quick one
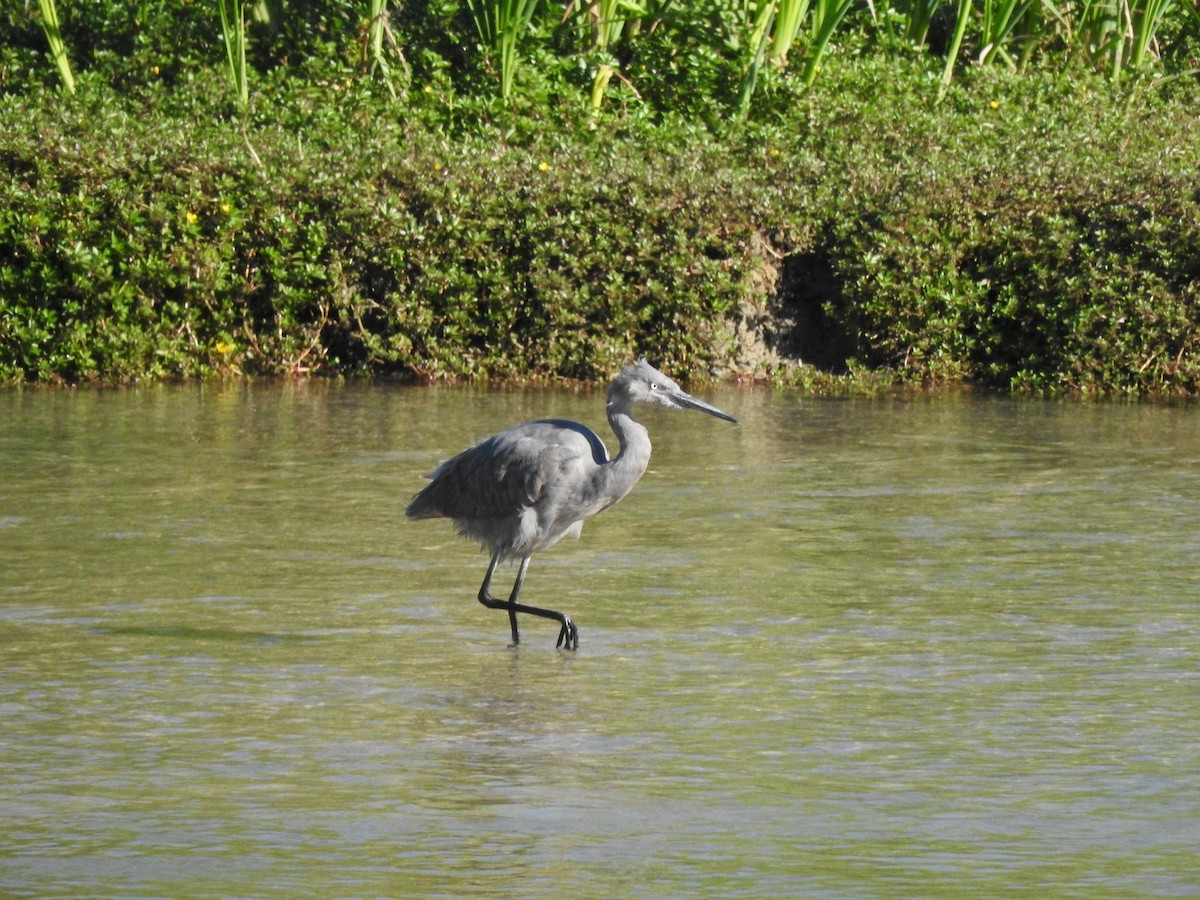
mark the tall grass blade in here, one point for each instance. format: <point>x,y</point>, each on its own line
<point>608,24</point>
<point>1145,17</point>
<point>233,29</point>
<point>827,15</point>
<point>918,16</point>
<point>759,30</point>
<point>500,25</point>
<point>960,29</point>
<point>997,27</point>
<point>379,29</point>
<point>788,19</point>
<point>58,49</point>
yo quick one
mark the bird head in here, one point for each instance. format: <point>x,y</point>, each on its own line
<point>640,382</point>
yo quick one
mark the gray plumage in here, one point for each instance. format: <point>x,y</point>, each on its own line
<point>524,489</point>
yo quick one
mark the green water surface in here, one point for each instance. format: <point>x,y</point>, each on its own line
<point>920,647</point>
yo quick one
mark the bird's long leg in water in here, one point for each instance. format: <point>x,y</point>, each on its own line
<point>568,635</point>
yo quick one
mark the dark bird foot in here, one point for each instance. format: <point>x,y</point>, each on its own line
<point>568,637</point>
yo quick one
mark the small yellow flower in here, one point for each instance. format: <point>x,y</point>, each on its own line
<point>154,69</point>
<point>191,217</point>
<point>543,167</point>
<point>437,167</point>
<point>995,104</point>
<point>225,208</point>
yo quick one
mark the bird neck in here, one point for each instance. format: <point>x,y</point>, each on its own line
<point>631,461</point>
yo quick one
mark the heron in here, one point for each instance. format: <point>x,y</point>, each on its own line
<point>526,488</point>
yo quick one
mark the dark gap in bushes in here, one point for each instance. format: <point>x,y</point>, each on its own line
<point>811,306</point>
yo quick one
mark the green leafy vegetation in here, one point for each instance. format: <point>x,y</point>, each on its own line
<point>1003,194</point>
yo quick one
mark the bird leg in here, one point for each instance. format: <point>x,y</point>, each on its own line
<point>568,635</point>
<point>486,598</point>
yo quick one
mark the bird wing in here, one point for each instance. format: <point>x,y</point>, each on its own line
<point>505,473</point>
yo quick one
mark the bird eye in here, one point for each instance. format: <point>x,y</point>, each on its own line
<point>654,385</point>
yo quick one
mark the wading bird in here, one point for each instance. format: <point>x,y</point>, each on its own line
<point>522,490</point>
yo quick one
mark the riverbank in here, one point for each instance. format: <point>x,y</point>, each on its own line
<point>1032,233</point>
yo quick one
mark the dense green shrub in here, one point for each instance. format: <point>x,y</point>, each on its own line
<point>1036,231</point>
<point>129,250</point>
<point>1044,242</point>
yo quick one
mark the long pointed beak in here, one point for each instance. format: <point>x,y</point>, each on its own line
<point>689,402</point>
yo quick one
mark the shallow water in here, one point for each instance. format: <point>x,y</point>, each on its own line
<point>845,649</point>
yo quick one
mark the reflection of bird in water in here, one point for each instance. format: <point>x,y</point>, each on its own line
<point>523,489</point>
